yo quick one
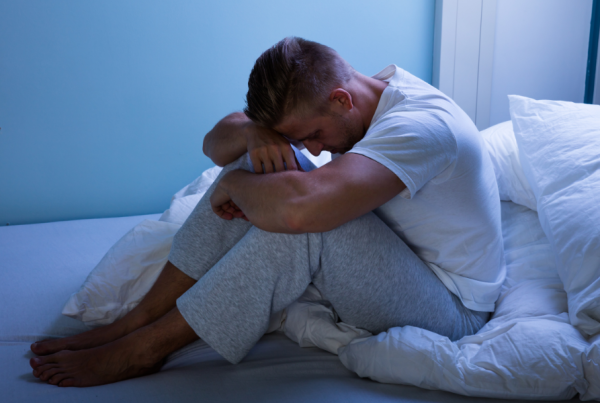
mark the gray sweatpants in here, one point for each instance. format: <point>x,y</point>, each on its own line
<point>372,279</point>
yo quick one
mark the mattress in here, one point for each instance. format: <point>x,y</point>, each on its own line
<point>41,265</point>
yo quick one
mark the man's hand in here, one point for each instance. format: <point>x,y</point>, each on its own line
<point>223,206</point>
<point>269,151</point>
<point>235,134</point>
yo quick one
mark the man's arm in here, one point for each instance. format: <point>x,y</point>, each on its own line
<point>226,142</point>
<point>316,201</point>
<point>236,134</point>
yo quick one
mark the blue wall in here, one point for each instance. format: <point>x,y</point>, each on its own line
<point>104,104</point>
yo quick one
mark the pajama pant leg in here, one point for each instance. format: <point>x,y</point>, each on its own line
<point>372,279</point>
<point>375,282</point>
<point>205,238</point>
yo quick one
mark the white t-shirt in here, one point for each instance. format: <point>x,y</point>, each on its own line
<point>449,213</point>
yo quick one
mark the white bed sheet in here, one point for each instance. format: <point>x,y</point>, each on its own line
<point>42,264</point>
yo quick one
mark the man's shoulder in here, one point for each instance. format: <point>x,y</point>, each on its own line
<point>411,125</point>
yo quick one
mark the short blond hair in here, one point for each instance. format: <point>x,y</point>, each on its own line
<point>293,76</point>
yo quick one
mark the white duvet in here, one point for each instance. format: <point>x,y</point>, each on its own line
<point>528,350</point>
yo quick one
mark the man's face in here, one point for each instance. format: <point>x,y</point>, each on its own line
<point>331,132</point>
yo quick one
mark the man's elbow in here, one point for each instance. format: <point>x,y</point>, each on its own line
<point>206,149</point>
<point>219,163</point>
<point>295,220</point>
<point>302,219</point>
<point>205,146</point>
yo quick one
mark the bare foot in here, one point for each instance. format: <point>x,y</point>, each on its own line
<point>109,363</point>
<point>139,353</point>
<point>93,338</point>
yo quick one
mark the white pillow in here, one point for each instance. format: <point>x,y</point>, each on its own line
<point>130,268</point>
<point>591,367</point>
<point>124,275</point>
<point>559,146</point>
<point>184,201</point>
<point>504,153</point>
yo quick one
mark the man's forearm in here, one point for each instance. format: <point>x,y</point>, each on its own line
<point>226,142</point>
<point>268,201</point>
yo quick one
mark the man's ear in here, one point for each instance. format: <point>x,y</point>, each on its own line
<point>341,97</point>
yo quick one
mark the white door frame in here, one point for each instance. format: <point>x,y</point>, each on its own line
<point>597,83</point>
<point>463,54</point>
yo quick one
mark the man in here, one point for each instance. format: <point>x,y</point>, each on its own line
<point>255,241</point>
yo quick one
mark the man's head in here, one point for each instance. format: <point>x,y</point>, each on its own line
<point>297,88</point>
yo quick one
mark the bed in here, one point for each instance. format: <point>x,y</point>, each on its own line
<point>542,342</point>
<point>42,264</point>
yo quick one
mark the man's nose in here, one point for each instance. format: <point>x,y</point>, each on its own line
<point>313,147</point>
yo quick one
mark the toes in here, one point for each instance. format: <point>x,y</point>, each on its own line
<point>40,370</point>
<point>68,382</point>
<point>48,346</point>
<point>39,347</point>
<point>49,373</point>
<point>38,361</point>
<point>56,378</point>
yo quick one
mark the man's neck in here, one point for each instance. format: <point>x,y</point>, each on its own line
<point>366,93</point>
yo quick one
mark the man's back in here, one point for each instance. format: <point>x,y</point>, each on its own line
<point>449,213</point>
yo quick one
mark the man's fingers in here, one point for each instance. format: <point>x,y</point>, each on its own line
<point>298,164</point>
<point>275,156</point>
<point>231,208</point>
<point>239,214</point>
<point>222,213</point>
<point>268,166</point>
<point>235,206</point>
<point>238,211</point>
<point>278,163</point>
<point>256,163</point>
<point>223,206</point>
<point>290,160</point>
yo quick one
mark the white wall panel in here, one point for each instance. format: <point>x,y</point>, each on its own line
<point>597,83</point>
<point>444,45</point>
<point>466,64</point>
<point>485,50</point>
<point>486,63</point>
<point>463,58</point>
<point>540,51</point>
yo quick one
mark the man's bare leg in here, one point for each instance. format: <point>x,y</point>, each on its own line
<point>169,286</point>
<point>136,354</point>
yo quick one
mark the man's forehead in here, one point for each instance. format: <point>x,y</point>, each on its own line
<point>293,127</point>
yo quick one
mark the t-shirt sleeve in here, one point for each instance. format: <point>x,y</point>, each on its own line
<point>416,146</point>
